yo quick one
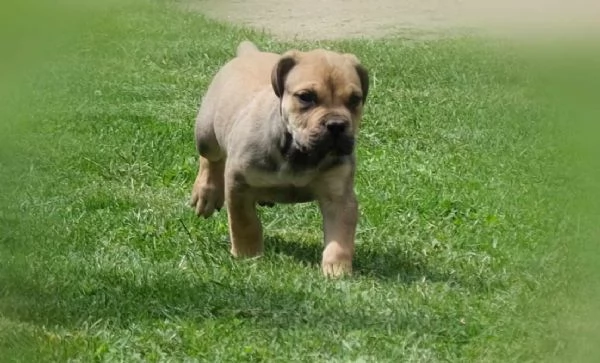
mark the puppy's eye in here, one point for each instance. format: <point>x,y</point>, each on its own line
<point>307,98</point>
<point>354,100</point>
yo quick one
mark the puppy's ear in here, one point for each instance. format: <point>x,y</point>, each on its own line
<point>363,75</point>
<point>280,71</point>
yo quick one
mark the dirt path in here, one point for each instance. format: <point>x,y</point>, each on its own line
<point>330,19</point>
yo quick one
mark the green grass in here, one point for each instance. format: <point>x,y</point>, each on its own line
<point>458,256</point>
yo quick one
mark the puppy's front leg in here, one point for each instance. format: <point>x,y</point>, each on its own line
<point>207,193</point>
<point>245,230</point>
<point>340,216</point>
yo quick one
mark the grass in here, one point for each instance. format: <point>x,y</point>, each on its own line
<point>458,257</point>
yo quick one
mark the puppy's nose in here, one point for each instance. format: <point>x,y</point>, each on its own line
<point>336,127</point>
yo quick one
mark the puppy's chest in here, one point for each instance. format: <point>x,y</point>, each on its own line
<point>281,186</point>
<point>275,172</point>
<point>282,176</point>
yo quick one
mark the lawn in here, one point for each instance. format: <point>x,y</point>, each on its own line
<point>458,250</point>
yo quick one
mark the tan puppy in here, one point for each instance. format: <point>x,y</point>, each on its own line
<point>281,129</point>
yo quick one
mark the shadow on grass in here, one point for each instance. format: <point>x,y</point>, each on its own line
<point>117,300</point>
<point>394,264</point>
<point>120,299</point>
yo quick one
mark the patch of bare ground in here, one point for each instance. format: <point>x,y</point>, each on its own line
<point>334,19</point>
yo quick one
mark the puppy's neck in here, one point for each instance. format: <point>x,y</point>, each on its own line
<point>288,140</point>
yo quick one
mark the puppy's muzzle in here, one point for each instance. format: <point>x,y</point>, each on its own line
<point>336,127</point>
<point>337,138</point>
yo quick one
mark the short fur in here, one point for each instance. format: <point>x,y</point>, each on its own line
<point>281,129</point>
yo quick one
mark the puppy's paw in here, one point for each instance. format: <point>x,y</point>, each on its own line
<point>337,260</point>
<point>337,269</point>
<point>206,198</point>
<point>247,252</point>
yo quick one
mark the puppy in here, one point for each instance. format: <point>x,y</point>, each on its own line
<point>281,129</point>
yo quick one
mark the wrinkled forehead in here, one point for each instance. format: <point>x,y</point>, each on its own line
<point>324,73</point>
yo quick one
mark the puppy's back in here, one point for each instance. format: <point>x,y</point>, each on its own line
<point>246,47</point>
<point>234,86</point>
<point>249,70</point>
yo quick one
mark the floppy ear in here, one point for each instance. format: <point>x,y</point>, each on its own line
<point>363,74</point>
<point>280,71</point>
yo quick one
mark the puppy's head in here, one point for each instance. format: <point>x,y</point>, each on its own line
<point>322,96</point>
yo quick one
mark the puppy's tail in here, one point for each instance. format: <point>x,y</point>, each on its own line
<point>246,47</point>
